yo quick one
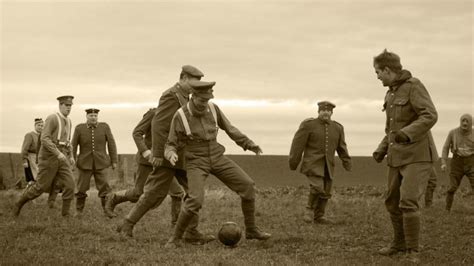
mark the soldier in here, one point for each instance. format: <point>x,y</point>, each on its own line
<point>408,144</point>
<point>461,143</point>
<point>194,127</point>
<point>158,182</point>
<point>142,137</point>
<point>93,137</point>
<point>317,140</point>
<point>29,152</point>
<point>55,158</point>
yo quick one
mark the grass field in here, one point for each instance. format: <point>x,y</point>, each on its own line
<point>42,237</point>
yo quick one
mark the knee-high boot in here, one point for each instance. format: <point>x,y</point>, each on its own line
<point>251,230</point>
<point>411,230</point>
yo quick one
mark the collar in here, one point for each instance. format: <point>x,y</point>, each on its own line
<point>92,125</point>
<point>323,121</point>
<point>61,115</point>
<point>182,91</point>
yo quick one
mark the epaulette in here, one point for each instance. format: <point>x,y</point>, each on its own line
<point>308,119</point>
<point>337,123</point>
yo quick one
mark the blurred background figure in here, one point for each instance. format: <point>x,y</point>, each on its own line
<point>460,142</point>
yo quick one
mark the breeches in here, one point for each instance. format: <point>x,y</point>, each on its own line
<point>52,171</point>
<point>460,167</point>
<point>225,170</point>
<point>143,172</point>
<point>406,185</point>
<point>84,181</point>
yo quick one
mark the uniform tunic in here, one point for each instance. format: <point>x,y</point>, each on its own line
<point>204,155</point>
<point>158,183</point>
<point>29,151</point>
<point>93,158</point>
<point>408,108</point>
<point>54,140</point>
<point>462,163</point>
<point>142,137</point>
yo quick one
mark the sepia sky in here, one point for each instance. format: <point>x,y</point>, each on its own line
<point>272,61</point>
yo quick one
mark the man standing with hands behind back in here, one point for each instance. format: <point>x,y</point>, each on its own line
<point>408,144</point>
<point>93,159</point>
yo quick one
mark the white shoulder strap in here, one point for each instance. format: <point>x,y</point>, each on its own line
<point>213,111</point>
<point>60,126</point>
<point>185,121</point>
<point>70,129</point>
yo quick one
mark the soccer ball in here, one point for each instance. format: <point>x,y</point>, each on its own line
<point>230,234</point>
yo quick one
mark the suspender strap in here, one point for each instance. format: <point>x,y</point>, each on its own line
<point>213,111</point>
<point>60,127</point>
<point>185,121</point>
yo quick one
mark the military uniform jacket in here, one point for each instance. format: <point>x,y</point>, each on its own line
<point>142,136</point>
<point>30,143</point>
<point>317,141</point>
<point>408,108</point>
<point>53,134</point>
<point>93,140</point>
<point>203,128</point>
<point>170,101</point>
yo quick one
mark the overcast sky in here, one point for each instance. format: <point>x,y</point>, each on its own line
<point>272,61</point>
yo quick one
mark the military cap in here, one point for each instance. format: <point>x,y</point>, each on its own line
<point>92,111</point>
<point>202,88</point>
<point>38,120</point>
<point>326,105</point>
<point>66,99</point>
<point>193,71</point>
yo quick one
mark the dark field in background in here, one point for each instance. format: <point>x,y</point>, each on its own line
<point>266,170</point>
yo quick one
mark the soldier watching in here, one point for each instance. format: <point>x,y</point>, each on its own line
<point>317,140</point>
<point>93,137</point>
<point>461,143</point>
<point>29,152</point>
<point>410,150</point>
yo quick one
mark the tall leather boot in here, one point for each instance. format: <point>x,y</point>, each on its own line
<point>428,198</point>
<point>320,210</point>
<point>184,219</point>
<point>449,200</point>
<point>192,234</point>
<point>411,229</point>
<point>251,230</point>
<point>20,203</point>
<point>111,201</point>
<point>53,194</point>
<point>309,213</point>
<point>66,207</point>
<point>398,243</point>
<point>175,209</point>
<point>80,203</point>
<point>102,203</point>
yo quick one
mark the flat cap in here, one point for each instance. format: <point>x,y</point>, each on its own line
<point>92,111</point>
<point>66,99</point>
<point>202,88</point>
<point>326,105</point>
<point>193,71</point>
<point>38,120</point>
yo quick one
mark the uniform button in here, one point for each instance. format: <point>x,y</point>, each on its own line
<point>391,143</point>
<point>391,119</point>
